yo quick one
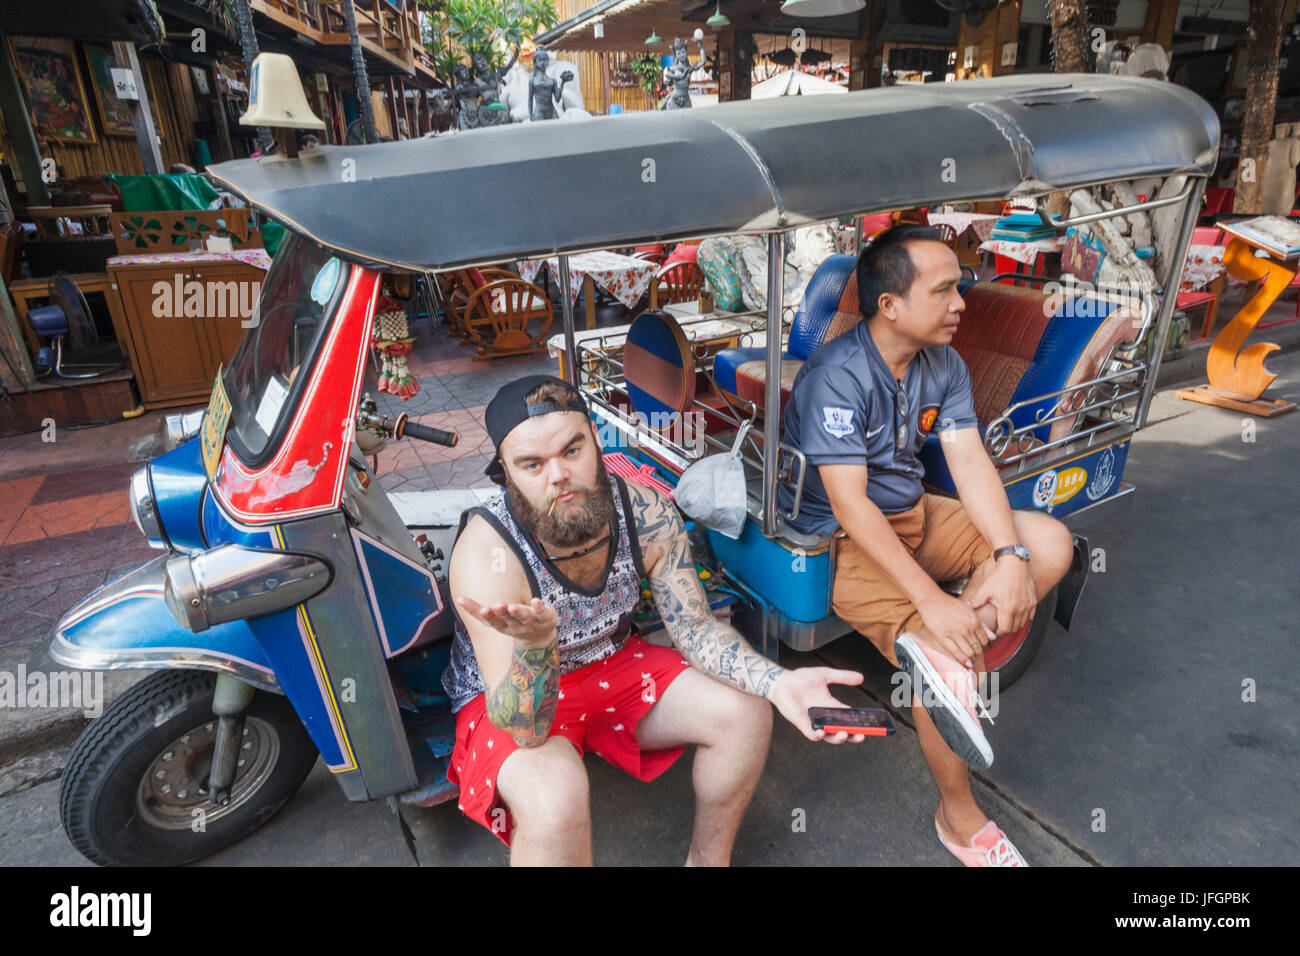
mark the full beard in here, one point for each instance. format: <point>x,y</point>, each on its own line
<point>567,524</point>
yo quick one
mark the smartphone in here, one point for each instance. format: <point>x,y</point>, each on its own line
<point>870,721</point>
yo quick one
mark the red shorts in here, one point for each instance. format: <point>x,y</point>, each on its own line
<point>600,706</point>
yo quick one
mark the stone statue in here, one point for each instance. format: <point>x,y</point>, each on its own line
<point>488,81</point>
<point>544,94</point>
<point>466,92</point>
<point>678,74</point>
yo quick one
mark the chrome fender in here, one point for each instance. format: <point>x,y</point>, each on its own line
<point>126,625</point>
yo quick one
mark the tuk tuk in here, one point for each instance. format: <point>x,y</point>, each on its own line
<point>293,613</point>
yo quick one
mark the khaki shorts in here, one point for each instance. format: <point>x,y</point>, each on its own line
<point>941,538</point>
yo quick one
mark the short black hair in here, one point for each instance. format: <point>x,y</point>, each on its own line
<point>886,265</point>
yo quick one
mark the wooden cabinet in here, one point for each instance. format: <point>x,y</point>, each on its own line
<point>184,315</point>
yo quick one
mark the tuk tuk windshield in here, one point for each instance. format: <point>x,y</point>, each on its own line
<point>267,376</point>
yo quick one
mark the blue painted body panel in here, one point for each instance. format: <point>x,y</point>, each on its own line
<point>404,597</point>
<point>798,585</point>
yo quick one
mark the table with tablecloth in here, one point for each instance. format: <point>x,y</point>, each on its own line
<point>704,329</point>
<point>623,277</point>
<point>1023,252</point>
<point>979,223</point>
<point>1204,264</point>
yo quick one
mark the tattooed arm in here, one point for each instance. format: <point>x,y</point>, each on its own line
<point>524,703</point>
<point>513,636</point>
<point>711,646</point>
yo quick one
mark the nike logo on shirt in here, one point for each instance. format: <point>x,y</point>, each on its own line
<point>874,432</point>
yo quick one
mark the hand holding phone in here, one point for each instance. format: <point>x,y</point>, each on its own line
<point>866,721</point>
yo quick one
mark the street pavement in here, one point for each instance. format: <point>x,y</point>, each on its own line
<point>1162,729</point>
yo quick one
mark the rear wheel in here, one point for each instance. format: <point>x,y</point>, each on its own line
<point>1011,654</point>
<point>135,791</point>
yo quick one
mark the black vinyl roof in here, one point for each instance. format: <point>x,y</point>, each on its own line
<point>492,195</point>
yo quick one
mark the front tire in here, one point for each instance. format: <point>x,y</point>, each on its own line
<point>135,789</point>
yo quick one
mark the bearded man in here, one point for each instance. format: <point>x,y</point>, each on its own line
<point>545,578</point>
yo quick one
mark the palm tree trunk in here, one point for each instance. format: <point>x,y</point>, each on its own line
<point>1261,101</point>
<point>248,45</point>
<point>1069,21</point>
<point>1069,55</point>
<point>359,72</point>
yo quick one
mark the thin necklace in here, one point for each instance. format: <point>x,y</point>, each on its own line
<point>577,554</point>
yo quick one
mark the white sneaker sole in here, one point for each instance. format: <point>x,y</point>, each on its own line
<point>956,726</point>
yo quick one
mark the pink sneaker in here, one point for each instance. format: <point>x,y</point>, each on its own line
<point>947,691</point>
<point>989,847</point>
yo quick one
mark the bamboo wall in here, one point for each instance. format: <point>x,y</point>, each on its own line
<point>592,80</point>
<point>171,92</point>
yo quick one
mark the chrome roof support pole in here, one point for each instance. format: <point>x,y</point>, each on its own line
<point>772,388</point>
<point>566,307</point>
<point>1172,281</point>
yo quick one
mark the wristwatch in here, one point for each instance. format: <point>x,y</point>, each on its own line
<point>1019,550</point>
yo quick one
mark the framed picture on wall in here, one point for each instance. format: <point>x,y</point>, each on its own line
<point>855,63</point>
<point>724,59</point>
<point>51,81</point>
<point>114,113</point>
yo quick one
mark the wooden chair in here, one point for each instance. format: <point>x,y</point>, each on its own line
<point>651,253</point>
<point>459,287</point>
<point>497,316</point>
<point>680,282</point>
<point>52,222</point>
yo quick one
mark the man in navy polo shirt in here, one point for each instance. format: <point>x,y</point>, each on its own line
<point>860,409</point>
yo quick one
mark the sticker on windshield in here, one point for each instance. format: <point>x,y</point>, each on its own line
<point>268,409</point>
<point>322,287</point>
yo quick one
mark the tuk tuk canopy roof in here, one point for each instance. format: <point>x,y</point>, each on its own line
<point>543,188</point>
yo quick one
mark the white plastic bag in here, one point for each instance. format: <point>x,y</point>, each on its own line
<point>712,491</point>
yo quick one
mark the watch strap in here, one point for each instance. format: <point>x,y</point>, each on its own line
<point>1017,549</point>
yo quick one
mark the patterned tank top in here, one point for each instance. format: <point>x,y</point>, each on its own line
<point>592,623</point>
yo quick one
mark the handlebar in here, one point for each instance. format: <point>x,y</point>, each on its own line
<point>408,429</point>
<point>400,427</point>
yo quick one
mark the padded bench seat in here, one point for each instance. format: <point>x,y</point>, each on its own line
<point>1018,343</point>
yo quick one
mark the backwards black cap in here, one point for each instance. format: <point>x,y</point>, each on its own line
<point>509,408</point>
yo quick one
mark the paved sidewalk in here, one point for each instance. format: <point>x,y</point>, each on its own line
<point>1137,712</point>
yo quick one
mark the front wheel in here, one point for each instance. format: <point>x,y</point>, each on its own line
<point>1011,654</point>
<point>135,791</point>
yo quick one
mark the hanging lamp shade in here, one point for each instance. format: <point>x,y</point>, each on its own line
<point>654,39</point>
<point>821,8</point>
<point>719,19</point>
<point>276,97</point>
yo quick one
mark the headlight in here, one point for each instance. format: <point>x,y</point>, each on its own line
<point>231,582</point>
<point>144,510</point>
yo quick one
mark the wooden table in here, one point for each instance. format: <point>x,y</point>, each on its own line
<point>624,277</point>
<point>714,330</point>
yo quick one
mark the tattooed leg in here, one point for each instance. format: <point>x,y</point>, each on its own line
<point>524,703</point>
